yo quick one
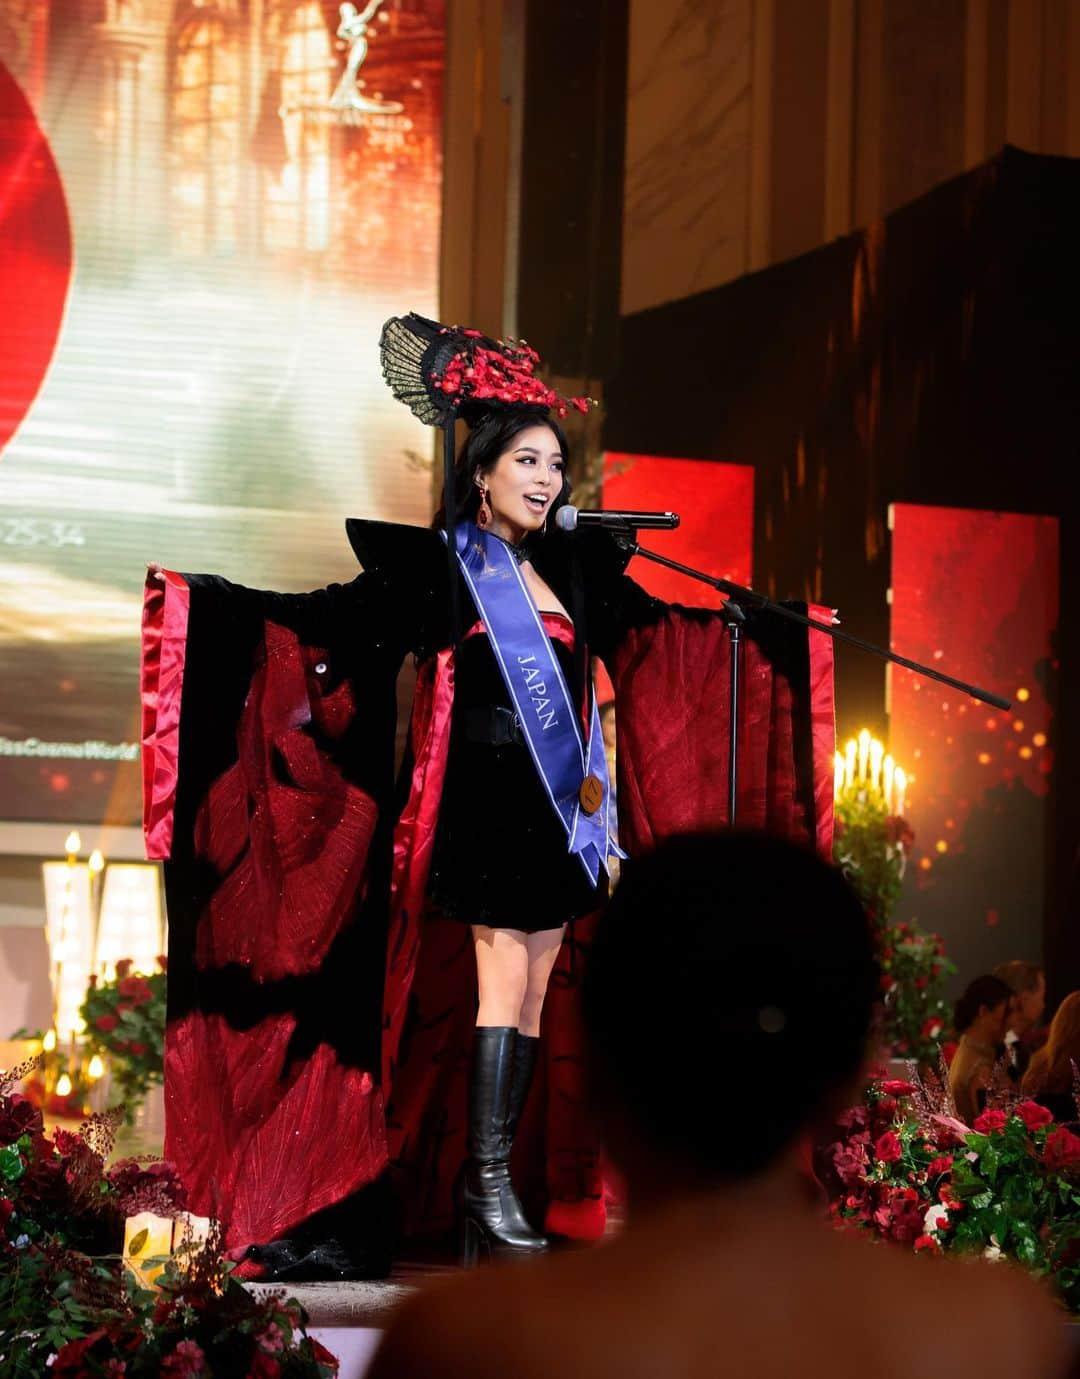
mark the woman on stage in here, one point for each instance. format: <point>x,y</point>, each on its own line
<point>357,971</point>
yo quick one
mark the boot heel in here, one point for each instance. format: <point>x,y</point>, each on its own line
<point>472,1238</point>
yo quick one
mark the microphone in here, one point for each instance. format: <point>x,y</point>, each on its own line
<point>569,518</point>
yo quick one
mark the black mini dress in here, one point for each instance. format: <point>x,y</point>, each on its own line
<point>500,856</point>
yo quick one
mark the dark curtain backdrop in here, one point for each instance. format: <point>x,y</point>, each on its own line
<point>932,358</point>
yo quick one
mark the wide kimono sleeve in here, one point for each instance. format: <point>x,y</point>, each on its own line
<point>268,737</point>
<point>671,670</point>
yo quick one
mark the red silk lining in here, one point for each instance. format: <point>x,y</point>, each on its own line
<point>164,645</point>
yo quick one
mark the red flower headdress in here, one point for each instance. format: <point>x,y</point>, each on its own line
<point>437,371</point>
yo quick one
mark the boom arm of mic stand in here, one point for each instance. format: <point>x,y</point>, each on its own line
<point>751,599</point>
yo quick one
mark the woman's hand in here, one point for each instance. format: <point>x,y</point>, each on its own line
<point>155,570</point>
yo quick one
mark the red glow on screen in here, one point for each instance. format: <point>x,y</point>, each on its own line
<point>716,534</point>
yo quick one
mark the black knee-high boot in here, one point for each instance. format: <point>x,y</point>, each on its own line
<point>525,1051</point>
<point>493,1218</point>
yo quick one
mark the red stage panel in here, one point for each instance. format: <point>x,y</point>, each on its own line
<point>716,504</point>
<point>975,594</point>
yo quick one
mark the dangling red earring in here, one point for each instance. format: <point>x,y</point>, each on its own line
<point>483,516</point>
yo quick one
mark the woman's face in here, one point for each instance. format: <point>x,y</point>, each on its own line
<point>524,482</point>
<point>995,1022</point>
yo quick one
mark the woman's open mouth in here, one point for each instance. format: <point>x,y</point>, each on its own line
<point>538,502</point>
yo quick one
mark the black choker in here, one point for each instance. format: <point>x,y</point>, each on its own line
<point>519,550</point>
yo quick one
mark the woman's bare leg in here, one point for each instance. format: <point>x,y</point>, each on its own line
<point>502,974</point>
<point>543,950</point>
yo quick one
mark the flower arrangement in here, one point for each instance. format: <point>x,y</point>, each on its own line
<point>872,842</point>
<point>68,1309</point>
<point>125,1022</point>
<point>908,1171</point>
<point>202,1322</point>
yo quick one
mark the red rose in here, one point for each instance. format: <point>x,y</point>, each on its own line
<point>1033,1115</point>
<point>921,983</point>
<point>106,1023</point>
<point>990,1121</point>
<point>886,1107</point>
<point>1062,1148</point>
<point>135,989</point>
<point>895,1087</point>
<point>123,967</point>
<point>888,1148</point>
<point>162,961</point>
<point>927,1243</point>
<point>942,1164</point>
<point>886,982</point>
<point>137,1049</point>
<point>932,1027</point>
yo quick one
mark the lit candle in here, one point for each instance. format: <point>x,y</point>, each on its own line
<point>72,844</point>
<point>901,787</point>
<point>148,1241</point>
<point>889,768</point>
<point>877,751</point>
<point>95,1068</point>
<point>864,752</point>
<point>49,1042</point>
<point>849,763</point>
<point>838,772</point>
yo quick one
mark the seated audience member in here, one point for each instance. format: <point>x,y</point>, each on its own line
<point>1027,982</point>
<point>1049,1078</point>
<point>979,1017</point>
<point>705,1088</point>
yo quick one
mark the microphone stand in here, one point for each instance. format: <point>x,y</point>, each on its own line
<point>733,612</point>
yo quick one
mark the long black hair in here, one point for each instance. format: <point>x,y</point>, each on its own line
<point>491,431</point>
<point>988,992</point>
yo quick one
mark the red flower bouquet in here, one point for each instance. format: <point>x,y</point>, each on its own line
<point>125,1023</point>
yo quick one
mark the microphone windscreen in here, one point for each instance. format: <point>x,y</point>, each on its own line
<point>566,518</point>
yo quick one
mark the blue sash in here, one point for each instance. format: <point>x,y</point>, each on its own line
<point>538,690</point>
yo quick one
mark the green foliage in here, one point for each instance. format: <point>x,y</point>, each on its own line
<point>871,848</point>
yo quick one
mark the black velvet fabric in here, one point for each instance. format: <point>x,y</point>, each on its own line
<point>500,853</point>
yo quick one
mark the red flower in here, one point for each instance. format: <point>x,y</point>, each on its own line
<point>18,1117</point>
<point>927,1243</point>
<point>106,1023</point>
<point>263,1366</point>
<point>136,989</point>
<point>1033,1115</point>
<point>1062,1148</point>
<point>886,982</point>
<point>123,967</point>
<point>990,1121</point>
<point>850,1162</point>
<point>162,961</point>
<point>136,1048</point>
<point>322,1356</point>
<point>895,1087</point>
<point>888,1148</point>
<point>932,1027</point>
<point>69,1359</point>
<point>187,1359</point>
<point>921,983</point>
<point>942,1164</point>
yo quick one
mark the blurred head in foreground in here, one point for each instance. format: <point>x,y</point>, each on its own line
<point>727,1002</point>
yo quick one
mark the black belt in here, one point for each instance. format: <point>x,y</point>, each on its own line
<point>494,725</point>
